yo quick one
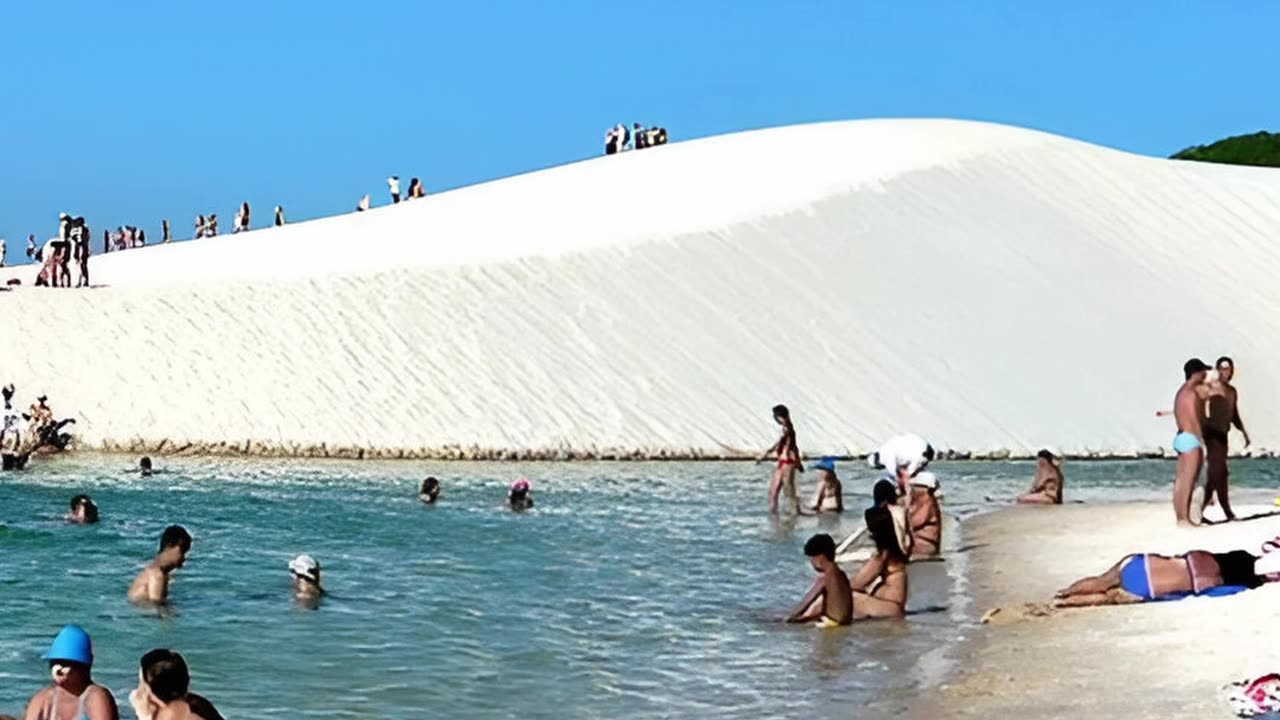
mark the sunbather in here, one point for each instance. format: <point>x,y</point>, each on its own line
<point>1144,577</point>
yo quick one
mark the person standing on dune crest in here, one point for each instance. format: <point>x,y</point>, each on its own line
<point>393,184</point>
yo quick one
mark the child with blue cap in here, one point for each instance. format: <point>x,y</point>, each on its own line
<point>73,695</point>
<point>830,493</point>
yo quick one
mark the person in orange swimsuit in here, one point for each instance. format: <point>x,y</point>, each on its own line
<point>788,457</point>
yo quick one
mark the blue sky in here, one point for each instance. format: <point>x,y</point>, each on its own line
<point>130,112</point>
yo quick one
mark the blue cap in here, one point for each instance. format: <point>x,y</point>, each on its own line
<point>825,463</point>
<point>72,644</point>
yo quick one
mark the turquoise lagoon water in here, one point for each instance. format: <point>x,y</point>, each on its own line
<point>645,590</point>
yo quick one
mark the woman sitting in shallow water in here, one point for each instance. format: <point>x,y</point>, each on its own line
<point>1046,489</point>
<point>1139,578</point>
<point>880,585</point>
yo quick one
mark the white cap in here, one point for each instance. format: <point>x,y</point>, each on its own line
<point>1268,564</point>
<point>925,479</point>
<point>305,566</point>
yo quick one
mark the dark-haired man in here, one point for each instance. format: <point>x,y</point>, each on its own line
<point>152,584</point>
<point>1223,413</point>
<point>164,693</point>
<point>1188,443</point>
<point>829,602</point>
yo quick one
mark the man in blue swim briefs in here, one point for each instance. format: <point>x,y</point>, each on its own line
<point>1188,411</point>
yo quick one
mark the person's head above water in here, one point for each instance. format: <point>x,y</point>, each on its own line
<point>144,465</point>
<point>885,492</point>
<point>305,570</point>
<point>71,646</point>
<point>821,551</point>
<point>83,510</point>
<point>519,489</point>
<point>165,674</point>
<point>1194,367</point>
<point>175,543</point>
<point>781,414</point>
<point>429,490</point>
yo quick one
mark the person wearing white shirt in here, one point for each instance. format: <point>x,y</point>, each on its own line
<point>904,456</point>
<point>393,183</point>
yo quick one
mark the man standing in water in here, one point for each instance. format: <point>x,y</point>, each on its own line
<point>1223,413</point>
<point>788,455</point>
<point>1187,410</point>
<point>152,584</point>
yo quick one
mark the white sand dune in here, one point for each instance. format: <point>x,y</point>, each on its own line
<point>991,287</point>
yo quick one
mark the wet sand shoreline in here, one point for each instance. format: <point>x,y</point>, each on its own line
<point>1156,660</point>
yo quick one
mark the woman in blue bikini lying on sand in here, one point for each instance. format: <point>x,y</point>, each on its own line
<point>1141,578</point>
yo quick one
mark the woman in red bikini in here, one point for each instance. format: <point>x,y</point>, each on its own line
<point>788,456</point>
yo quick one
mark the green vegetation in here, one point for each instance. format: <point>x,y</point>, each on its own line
<point>1261,148</point>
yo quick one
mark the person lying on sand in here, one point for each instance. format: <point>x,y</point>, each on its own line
<point>880,585</point>
<point>830,496</point>
<point>829,602</point>
<point>1143,577</point>
<point>429,491</point>
<point>1046,489</point>
<point>152,584</point>
<point>925,516</point>
<point>83,511</point>
<point>163,691</point>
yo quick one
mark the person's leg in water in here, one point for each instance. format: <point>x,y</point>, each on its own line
<point>775,487</point>
<point>789,481</point>
<point>1188,470</point>
<point>1216,449</point>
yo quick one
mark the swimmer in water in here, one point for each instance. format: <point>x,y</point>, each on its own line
<point>787,454</point>
<point>830,492</point>
<point>429,491</point>
<point>829,602</point>
<point>144,466</point>
<point>83,511</point>
<point>73,694</point>
<point>163,691</point>
<point>306,578</point>
<point>1046,489</point>
<point>152,584</point>
<point>520,497</point>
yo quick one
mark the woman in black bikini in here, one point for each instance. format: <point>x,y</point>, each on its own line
<point>880,586</point>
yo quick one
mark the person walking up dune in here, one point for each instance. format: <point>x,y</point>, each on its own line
<point>279,216</point>
<point>393,184</point>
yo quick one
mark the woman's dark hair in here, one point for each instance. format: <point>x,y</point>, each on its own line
<point>884,492</point>
<point>428,486</point>
<point>90,510</point>
<point>1046,455</point>
<point>782,412</point>
<point>165,672</point>
<point>880,523</point>
<point>145,463</point>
